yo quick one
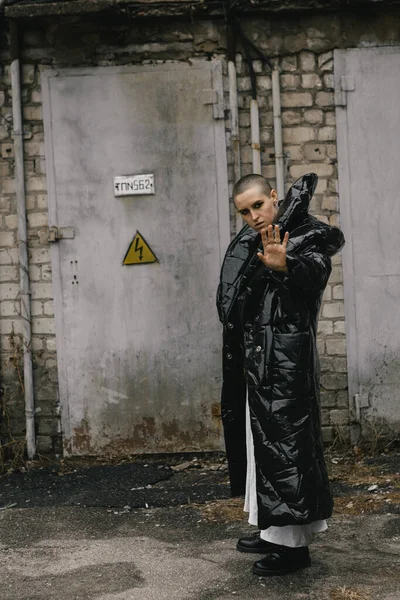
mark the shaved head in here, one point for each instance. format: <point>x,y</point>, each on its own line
<point>255,201</point>
<point>249,181</point>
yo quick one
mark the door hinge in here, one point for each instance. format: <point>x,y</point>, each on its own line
<point>216,99</point>
<point>60,233</point>
<point>345,84</point>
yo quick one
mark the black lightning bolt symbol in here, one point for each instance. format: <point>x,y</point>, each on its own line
<point>139,248</point>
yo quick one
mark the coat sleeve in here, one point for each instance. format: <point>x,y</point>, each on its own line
<point>309,270</point>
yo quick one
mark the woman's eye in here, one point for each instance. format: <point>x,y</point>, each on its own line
<point>258,205</point>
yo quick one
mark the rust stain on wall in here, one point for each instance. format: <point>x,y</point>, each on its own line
<point>195,437</point>
<point>145,430</point>
<point>216,409</point>
<point>146,437</point>
<point>81,437</point>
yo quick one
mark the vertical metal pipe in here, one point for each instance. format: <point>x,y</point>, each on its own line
<point>279,156</point>
<point>255,136</point>
<point>22,240</point>
<point>254,114</point>
<point>235,140</point>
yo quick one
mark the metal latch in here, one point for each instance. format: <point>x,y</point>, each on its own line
<point>62,233</point>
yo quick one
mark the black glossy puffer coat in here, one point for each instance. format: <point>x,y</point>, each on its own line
<point>270,323</point>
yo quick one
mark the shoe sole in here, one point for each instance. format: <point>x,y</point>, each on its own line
<point>263,573</point>
<point>253,550</point>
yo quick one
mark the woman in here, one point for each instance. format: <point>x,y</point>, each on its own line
<point>272,280</point>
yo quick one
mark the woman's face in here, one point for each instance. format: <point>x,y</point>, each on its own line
<point>257,209</point>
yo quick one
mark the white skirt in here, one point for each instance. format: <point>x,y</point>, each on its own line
<point>288,535</point>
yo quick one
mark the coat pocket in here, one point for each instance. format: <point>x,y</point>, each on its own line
<point>291,364</point>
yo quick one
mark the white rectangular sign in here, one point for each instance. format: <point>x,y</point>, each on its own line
<point>134,185</point>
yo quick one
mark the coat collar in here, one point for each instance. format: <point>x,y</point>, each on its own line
<point>297,201</point>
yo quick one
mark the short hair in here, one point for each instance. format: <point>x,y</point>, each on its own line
<point>249,181</point>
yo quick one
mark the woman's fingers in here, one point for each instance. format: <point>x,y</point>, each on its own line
<point>285,239</point>
<point>270,236</point>
<point>274,256</point>
<point>264,238</point>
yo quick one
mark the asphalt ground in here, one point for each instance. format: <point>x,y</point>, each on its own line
<point>129,532</point>
<point>137,484</point>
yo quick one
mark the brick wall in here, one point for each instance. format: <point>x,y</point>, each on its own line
<point>302,45</point>
<point>43,329</point>
<point>309,136</point>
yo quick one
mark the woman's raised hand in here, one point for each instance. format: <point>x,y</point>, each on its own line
<point>274,255</point>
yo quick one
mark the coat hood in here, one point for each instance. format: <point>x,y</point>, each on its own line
<point>297,201</point>
<point>294,209</point>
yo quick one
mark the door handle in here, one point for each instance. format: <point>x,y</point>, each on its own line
<point>60,233</point>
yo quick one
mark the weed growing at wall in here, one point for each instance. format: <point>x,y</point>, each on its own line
<point>12,449</point>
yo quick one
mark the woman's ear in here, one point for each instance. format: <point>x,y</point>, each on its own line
<point>274,197</point>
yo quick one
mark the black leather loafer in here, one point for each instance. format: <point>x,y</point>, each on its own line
<point>282,561</point>
<point>254,544</point>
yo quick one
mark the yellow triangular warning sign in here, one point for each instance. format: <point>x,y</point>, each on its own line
<point>139,253</point>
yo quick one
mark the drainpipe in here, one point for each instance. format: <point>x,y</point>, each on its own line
<point>255,136</point>
<point>279,156</point>
<point>254,112</point>
<point>234,111</point>
<point>22,240</point>
<point>235,140</point>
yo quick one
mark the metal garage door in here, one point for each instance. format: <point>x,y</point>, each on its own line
<point>138,344</point>
<point>368,129</point>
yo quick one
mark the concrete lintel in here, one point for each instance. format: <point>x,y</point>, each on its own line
<point>165,8</point>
